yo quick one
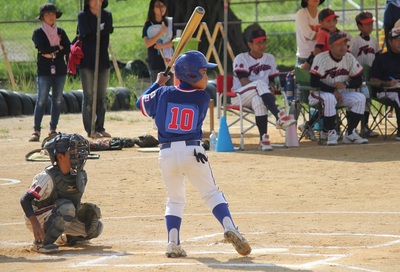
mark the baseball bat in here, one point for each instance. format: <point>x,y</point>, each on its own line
<point>187,33</point>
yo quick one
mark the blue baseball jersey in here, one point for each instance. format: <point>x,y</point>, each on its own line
<point>178,111</point>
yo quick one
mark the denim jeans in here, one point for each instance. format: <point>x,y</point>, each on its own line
<point>87,78</point>
<point>44,84</point>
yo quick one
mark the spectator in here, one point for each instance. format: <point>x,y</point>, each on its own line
<point>390,17</point>
<point>158,32</point>
<point>53,46</point>
<point>337,73</point>
<point>385,70</point>
<point>87,28</point>
<point>307,27</point>
<point>254,75</point>
<point>364,47</point>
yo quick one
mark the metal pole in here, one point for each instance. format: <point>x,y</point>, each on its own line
<point>226,4</point>
<point>96,69</point>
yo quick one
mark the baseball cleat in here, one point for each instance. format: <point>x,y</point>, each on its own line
<point>175,251</point>
<point>284,120</point>
<point>265,144</point>
<point>48,249</point>
<point>332,137</point>
<point>354,138</point>
<point>238,241</point>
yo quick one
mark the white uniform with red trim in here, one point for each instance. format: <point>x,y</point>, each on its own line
<point>364,51</point>
<point>259,71</point>
<point>331,71</point>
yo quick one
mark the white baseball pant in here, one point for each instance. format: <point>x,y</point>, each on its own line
<point>251,97</point>
<point>352,100</point>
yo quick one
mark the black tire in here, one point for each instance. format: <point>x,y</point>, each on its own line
<point>79,97</point>
<point>27,108</point>
<point>64,106</point>
<point>112,99</point>
<point>13,102</point>
<point>125,96</point>
<point>33,98</point>
<point>72,103</point>
<point>3,106</point>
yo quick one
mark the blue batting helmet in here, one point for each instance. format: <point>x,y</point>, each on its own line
<point>188,64</point>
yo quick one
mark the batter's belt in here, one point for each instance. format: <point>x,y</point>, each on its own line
<point>188,143</point>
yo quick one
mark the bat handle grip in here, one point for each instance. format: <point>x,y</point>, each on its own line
<point>167,71</point>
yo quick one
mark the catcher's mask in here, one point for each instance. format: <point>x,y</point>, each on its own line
<point>76,146</point>
<point>188,64</point>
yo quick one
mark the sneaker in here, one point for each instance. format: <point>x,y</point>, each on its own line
<point>332,137</point>
<point>324,135</point>
<point>265,144</point>
<point>368,133</point>
<point>310,132</point>
<point>284,120</point>
<point>354,138</point>
<point>238,241</point>
<point>175,251</point>
<point>105,134</point>
<point>40,248</point>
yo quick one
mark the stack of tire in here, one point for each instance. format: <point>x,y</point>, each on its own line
<point>18,103</point>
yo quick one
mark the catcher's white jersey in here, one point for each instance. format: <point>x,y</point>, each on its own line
<point>364,51</point>
<point>257,69</point>
<point>331,71</point>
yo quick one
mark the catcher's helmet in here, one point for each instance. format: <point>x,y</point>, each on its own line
<point>74,144</point>
<point>188,64</point>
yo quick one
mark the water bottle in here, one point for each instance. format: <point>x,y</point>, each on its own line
<point>289,86</point>
<point>365,90</point>
<point>213,140</point>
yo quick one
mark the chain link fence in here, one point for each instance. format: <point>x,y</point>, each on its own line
<point>276,16</point>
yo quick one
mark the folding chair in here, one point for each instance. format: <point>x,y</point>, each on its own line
<point>302,109</point>
<point>244,116</point>
<point>378,109</point>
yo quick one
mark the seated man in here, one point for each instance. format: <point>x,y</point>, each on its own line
<point>337,73</point>
<point>385,70</point>
<point>254,74</point>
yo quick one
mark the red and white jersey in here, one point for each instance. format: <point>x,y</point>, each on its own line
<point>42,188</point>
<point>364,50</point>
<point>331,71</point>
<point>257,69</point>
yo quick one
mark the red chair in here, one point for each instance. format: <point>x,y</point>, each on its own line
<point>241,113</point>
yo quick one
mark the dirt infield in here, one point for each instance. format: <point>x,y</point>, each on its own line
<point>307,208</point>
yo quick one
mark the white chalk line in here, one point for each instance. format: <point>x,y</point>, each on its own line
<point>9,181</point>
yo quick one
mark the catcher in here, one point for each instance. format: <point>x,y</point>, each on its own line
<point>52,205</point>
<point>179,112</point>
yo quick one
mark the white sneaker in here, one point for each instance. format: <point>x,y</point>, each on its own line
<point>332,137</point>
<point>284,120</point>
<point>310,132</point>
<point>174,251</point>
<point>354,138</point>
<point>238,241</point>
<point>48,249</point>
<point>265,144</point>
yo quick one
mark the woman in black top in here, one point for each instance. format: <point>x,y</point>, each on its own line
<point>87,28</point>
<point>53,46</point>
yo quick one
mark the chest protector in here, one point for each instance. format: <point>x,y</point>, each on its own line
<point>65,186</point>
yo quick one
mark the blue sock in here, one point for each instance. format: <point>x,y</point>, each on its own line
<point>221,211</point>
<point>173,222</point>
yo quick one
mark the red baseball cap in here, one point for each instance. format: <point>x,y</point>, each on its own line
<point>364,18</point>
<point>326,15</point>
<point>258,35</point>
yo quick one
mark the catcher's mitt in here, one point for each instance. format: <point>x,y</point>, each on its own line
<point>146,141</point>
<point>89,214</point>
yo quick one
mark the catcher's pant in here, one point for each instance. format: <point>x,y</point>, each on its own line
<point>76,228</point>
<point>251,97</point>
<point>352,100</point>
<point>178,161</point>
